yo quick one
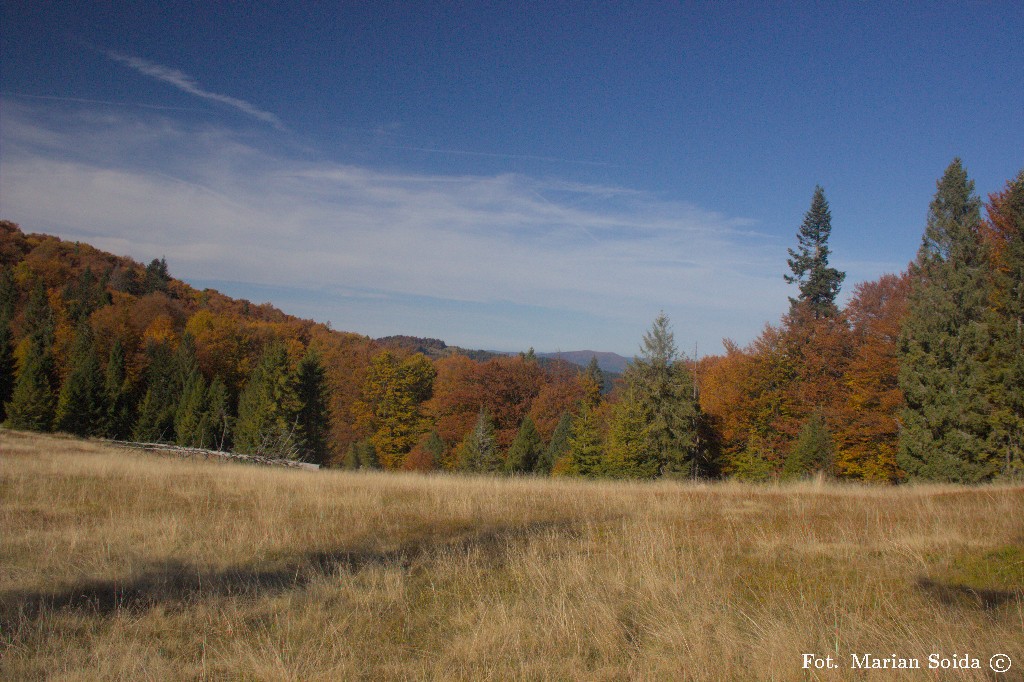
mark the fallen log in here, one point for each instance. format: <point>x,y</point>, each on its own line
<point>183,451</point>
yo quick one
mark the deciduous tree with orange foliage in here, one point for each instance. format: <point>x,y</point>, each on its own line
<point>866,428</point>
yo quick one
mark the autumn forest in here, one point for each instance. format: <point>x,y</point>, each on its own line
<point>920,376</point>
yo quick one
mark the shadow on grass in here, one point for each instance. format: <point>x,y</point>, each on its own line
<point>173,582</point>
<point>965,596</point>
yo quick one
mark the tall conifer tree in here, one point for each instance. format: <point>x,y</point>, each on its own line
<point>219,412</point>
<point>155,421</point>
<point>586,450</point>
<point>819,284</point>
<point>558,447</point>
<point>33,399</point>
<point>478,452</point>
<point>1005,364</point>
<point>525,450</point>
<point>946,432</point>
<point>82,406</point>
<point>119,394</point>
<point>662,386</point>
<point>311,387</point>
<point>191,420</point>
<point>631,450</point>
<point>268,408</point>
<point>8,366</point>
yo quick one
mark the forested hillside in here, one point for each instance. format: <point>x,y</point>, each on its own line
<point>919,376</point>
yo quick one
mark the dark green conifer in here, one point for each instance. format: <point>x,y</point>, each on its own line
<point>558,447</point>
<point>218,406</point>
<point>1005,320</point>
<point>313,416</point>
<point>361,455</point>
<point>434,448</point>
<point>525,450</point>
<point>586,451</point>
<point>8,366</point>
<point>945,434</point>
<point>82,407</point>
<point>155,421</point>
<point>32,402</point>
<point>33,399</point>
<point>268,408</point>
<point>812,452</point>
<point>8,294</point>
<point>593,382</point>
<point>157,276</point>
<point>631,451</point>
<point>85,295</point>
<point>662,385</point>
<point>191,419</point>
<point>120,415</point>
<point>819,284</point>
<point>752,464</point>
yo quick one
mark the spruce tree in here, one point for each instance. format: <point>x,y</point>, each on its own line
<point>558,447</point>
<point>8,366</point>
<point>1005,320</point>
<point>586,451</point>
<point>946,431</point>
<point>82,407</point>
<point>361,455</point>
<point>478,452</point>
<point>433,447</point>
<point>268,408</point>
<point>662,385</point>
<point>752,464</point>
<point>155,420</point>
<point>313,416</point>
<point>39,318</point>
<point>819,284</point>
<point>8,294</point>
<point>812,452</point>
<point>525,450</point>
<point>84,295</point>
<point>191,419</point>
<point>120,415</point>
<point>593,382</point>
<point>218,406</point>
<point>157,276</point>
<point>33,399</point>
<point>631,451</point>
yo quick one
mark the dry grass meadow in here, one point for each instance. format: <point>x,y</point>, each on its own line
<point>123,565</point>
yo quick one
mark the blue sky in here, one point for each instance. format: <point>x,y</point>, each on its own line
<point>503,175</point>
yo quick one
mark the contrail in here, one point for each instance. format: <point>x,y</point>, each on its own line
<point>186,83</point>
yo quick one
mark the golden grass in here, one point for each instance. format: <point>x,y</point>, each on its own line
<point>123,565</point>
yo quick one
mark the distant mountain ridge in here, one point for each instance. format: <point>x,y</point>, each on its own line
<point>608,362</point>
<point>433,348</point>
<point>611,363</point>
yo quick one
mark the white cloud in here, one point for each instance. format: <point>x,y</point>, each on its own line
<point>186,83</point>
<point>593,259</point>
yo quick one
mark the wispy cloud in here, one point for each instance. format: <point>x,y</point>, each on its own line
<point>186,83</point>
<point>491,261</point>
<point>84,100</point>
<point>496,155</point>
